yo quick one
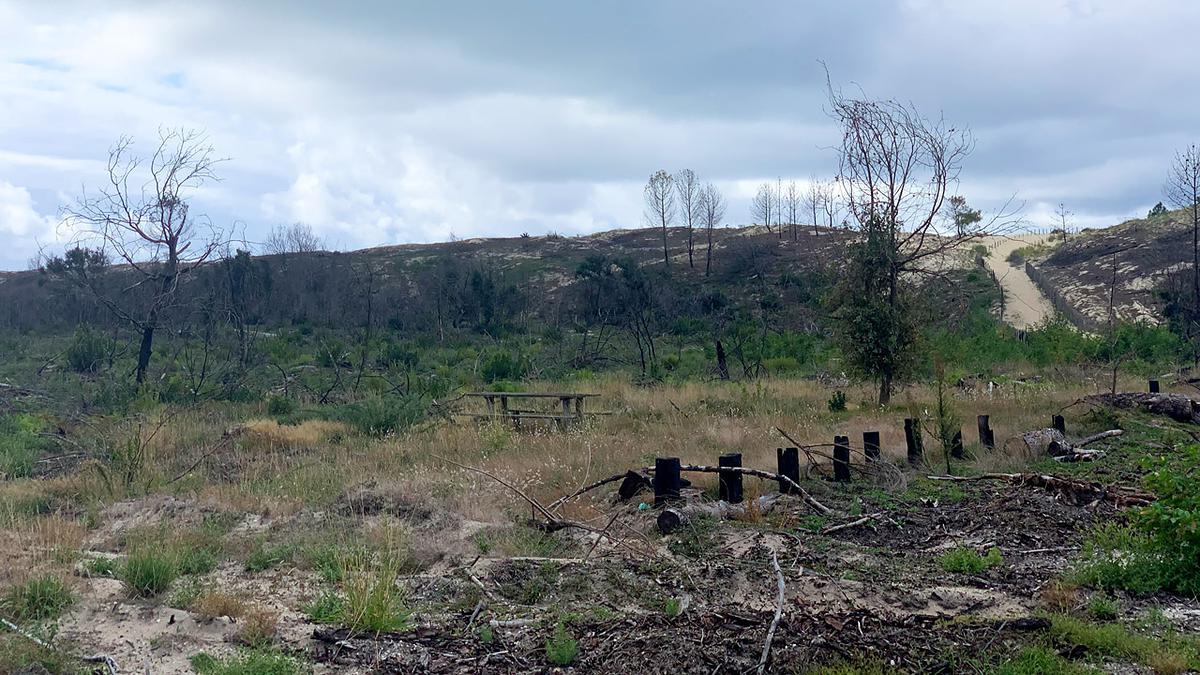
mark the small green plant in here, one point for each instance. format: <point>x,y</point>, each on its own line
<point>196,560</point>
<point>966,560</point>
<point>695,539</point>
<point>1103,608</point>
<point>374,601</point>
<point>102,567</point>
<point>20,444</point>
<point>247,662</point>
<point>673,607</point>
<point>837,402</point>
<point>1038,660</point>
<point>329,607</point>
<point>561,647</point>
<point>37,600</point>
<point>486,635</point>
<point>186,592</point>
<point>264,557</point>
<point>147,572</point>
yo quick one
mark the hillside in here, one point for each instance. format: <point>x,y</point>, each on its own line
<point>410,280</point>
<point>1145,250</point>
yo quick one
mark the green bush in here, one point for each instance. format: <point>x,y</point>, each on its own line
<point>148,572</point>
<point>328,607</point>
<point>264,557</point>
<point>278,406</point>
<point>1159,549</point>
<point>503,366</point>
<point>837,402</point>
<point>88,350</point>
<point>20,444</point>
<point>966,560</point>
<point>382,415</point>
<point>42,599</point>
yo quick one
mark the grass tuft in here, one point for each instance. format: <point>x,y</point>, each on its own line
<point>148,572</point>
<point>968,561</point>
<point>38,600</point>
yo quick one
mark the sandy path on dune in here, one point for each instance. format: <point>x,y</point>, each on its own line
<point>1024,303</point>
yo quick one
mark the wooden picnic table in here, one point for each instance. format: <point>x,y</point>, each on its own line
<point>508,413</point>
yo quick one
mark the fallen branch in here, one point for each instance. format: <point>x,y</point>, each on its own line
<point>1078,493</point>
<point>766,652</point>
<point>854,523</point>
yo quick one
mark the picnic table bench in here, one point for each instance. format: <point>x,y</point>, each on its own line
<point>507,413</point>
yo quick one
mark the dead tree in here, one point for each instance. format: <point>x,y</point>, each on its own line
<point>712,211</point>
<point>660,206</point>
<point>689,193</point>
<point>1183,191</point>
<point>142,218</point>
<point>294,238</point>
<point>763,205</point>
<point>791,202</point>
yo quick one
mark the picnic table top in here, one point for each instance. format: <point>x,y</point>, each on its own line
<point>527,394</point>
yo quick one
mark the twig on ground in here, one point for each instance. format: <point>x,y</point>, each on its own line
<point>766,652</point>
<point>854,523</point>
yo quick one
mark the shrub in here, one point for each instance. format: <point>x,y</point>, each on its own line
<point>20,444</point>
<point>258,627</point>
<point>561,647</point>
<point>382,415</point>
<point>502,366</point>
<point>196,560</point>
<point>38,600</point>
<point>837,402</point>
<point>88,350</point>
<point>1160,548</point>
<point>148,572</point>
<point>265,557</point>
<point>1039,661</point>
<point>102,567</point>
<point>967,561</point>
<point>279,406</point>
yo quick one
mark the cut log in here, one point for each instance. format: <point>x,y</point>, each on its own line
<point>1052,442</point>
<point>671,519</point>
<point>1175,406</point>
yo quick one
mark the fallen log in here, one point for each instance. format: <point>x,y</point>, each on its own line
<point>1074,492</point>
<point>1052,442</point>
<point>1175,406</point>
<point>671,519</point>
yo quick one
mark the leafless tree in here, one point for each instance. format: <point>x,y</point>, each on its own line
<point>896,168</point>
<point>778,193</point>
<point>294,238</point>
<point>1183,191</point>
<point>791,203</point>
<point>688,190</point>
<point>1064,219</point>
<point>814,202</point>
<point>712,211</point>
<point>141,217</point>
<point>660,206</point>
<point>763,205</point>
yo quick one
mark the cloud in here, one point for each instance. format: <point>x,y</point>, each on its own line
<point>22,228</point>
<point>378,122</point>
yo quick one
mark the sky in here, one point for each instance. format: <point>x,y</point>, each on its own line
<point>395,122</point>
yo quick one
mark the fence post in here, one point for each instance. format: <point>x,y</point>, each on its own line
<point>729,483</point>
<point>841,459</point>
<point>1059,423</point>
<point>1153,386</point>
<point>987,439</point>
<point>871,444</point>
<point>912,438</point>
<point>666,480</point>
<point>789,466</point>
<point>956,446</point>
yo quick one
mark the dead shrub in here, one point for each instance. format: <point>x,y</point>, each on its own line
<point>1060,596</point>
<point>258,627</point>
<point>214,604</point>
<point>271,435</point>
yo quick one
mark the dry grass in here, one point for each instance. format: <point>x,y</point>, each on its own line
<point>31,547</point>
<point>265,434</point>
<point>1060,596</point>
